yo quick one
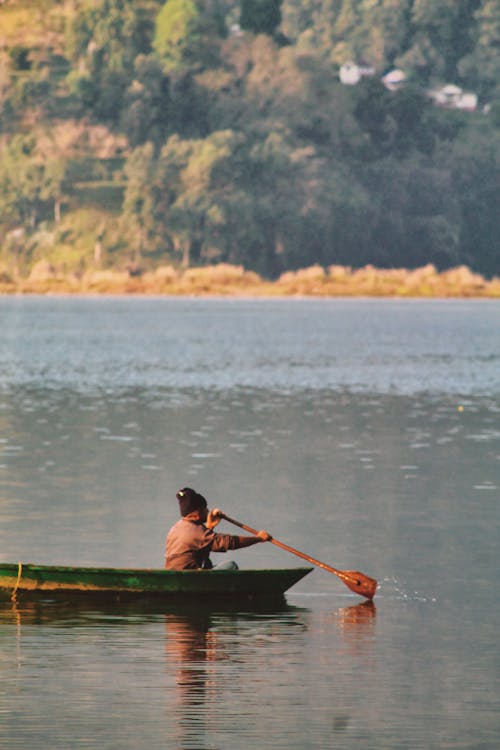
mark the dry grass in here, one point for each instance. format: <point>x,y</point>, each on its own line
<point>227,280</point>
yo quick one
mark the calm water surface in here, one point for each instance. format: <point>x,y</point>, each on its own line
<point>366,433</point>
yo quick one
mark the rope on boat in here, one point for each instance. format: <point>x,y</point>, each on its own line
<point>13,598</point>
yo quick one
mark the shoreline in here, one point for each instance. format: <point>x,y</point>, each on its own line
<point>224,280</point>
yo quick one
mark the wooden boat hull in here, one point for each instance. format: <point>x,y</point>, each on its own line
<point>31,580</point>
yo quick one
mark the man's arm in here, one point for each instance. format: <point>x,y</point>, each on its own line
<point>247,541</point>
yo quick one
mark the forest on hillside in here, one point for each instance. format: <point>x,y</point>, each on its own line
<point>140,133</point>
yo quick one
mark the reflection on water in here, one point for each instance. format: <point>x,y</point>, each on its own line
<point>190,646</point>
<point>198,657</point>
<point>92,611</point>
<point>221,669</point>
<point>357,622</point>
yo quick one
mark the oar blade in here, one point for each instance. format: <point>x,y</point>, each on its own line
<point>353,579</point>
<point>360,583</point>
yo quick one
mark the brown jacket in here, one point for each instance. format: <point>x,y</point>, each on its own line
<point>189,544</point>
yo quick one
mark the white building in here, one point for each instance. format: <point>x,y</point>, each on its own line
<point>394,79</point>
<point>453,97</point>
<point>351,73</point>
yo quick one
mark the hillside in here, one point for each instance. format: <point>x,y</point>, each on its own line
<point>141,135</point>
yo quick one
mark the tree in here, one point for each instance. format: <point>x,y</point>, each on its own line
<point>442,34</point>
<point>171,199</point>
<point>31,181</point>
<point>474,168</point>
<point>337,217</point>
<point>299,16</point>
<point>187,35</point>
<point>481,67</point>
<point>53,183</point>
<point>200,196</point>
<point>20,58</point>
<point>103,40</point>
<point>109,34</point>
<point>399,122</point>
<point>21,181</point>
<point>260,16</point>
<point>297,94</point>
<point>416,215</point>
<point>147,110</point>
<point>138,217</point>
<point>372,112</point>
<point>342,30</point>
<point>199,175</point>
<point>272,182</point>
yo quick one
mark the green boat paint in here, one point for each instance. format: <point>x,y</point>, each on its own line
<point>24,579</point>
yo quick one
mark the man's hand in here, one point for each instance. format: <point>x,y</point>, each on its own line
<point>264,536</point>
<point>213,518</point>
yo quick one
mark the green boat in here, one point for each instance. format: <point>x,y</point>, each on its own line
<point>23,580</point>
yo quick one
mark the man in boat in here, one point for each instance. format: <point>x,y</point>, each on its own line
<point>192,538</point>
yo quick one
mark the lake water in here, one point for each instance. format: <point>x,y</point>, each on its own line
<point>363,432</point>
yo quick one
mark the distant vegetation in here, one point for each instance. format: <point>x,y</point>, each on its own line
<point>229,281</point>
<point>144,140</point>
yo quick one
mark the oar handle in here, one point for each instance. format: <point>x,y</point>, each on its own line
<point>283,546</point>
<point>350,578</point>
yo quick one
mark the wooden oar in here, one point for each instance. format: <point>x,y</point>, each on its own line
<point>357,582</point>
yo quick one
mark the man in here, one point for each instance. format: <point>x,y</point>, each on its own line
<point>190,540</point>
